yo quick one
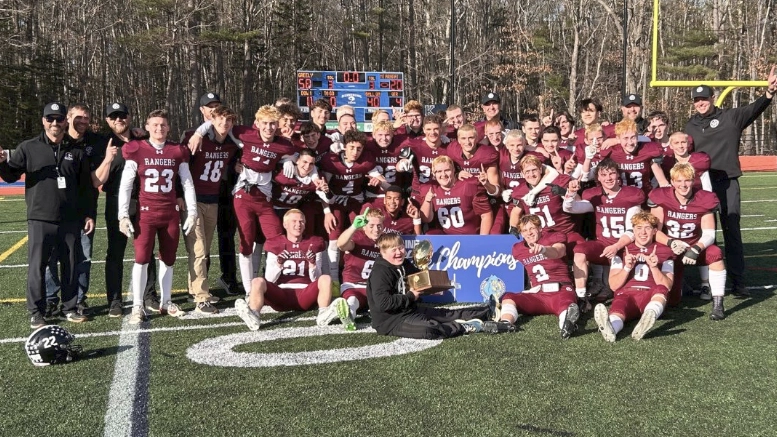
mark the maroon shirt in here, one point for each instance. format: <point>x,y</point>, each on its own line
<point>542,270</point>
<point>700,162</point>
<point>208,165</point>
<point>290,192</point>
<point>457,211</point>
<point>422,164</point>
<point>635,168</point>
<point>347,182</point>
<point>156,171</point>
<point>485,156</point>
<point>683,221</point>
<point>258,155</point>
<point>641,276</point>
<point>548,206</point>
<point>358,261</point>
<point>296,269</point>
<point>610,212</point>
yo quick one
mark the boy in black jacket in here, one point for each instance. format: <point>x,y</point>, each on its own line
<point>393,306</point>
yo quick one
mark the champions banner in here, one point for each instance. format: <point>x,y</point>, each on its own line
<point>477,265</point>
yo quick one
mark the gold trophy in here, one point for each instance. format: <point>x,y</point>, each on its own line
<point>427,281</point>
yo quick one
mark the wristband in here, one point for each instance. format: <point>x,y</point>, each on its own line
<point>626,269</point>
<point>417,221</point>
<point>327,210</point>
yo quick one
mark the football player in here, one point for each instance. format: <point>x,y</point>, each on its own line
<point>456,207</point>
<point>680,147</point>
<point>313,139</point>
<point>641,275</point>
<point>320,113</point>
<point>590,111</point>
<point>292,277</point>
<point>613,207</point>
<point>686,220</point>
<point>398,218</point>
<point>418,156</point>
<point>639,162</point>
<point>561,159</point>
<point>530,125</point>
<point>304,190</point>
<point>411,122</point>
<point>385,147</point>
<point>289,114</point>
<point>542,255</point>
<point>454,119</point>
<point>588,153</point>
<point>155,162</point>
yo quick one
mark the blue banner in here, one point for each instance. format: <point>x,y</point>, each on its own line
<point>477,265</point>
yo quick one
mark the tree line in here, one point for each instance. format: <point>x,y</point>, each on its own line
<point>538,54</point>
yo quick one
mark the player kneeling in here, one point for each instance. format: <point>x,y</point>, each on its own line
<point>641,276</point>
<point>542,254</point>
<point>292,278</point>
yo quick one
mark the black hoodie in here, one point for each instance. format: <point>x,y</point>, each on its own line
<point>388,296</point>
<point>719,133</point>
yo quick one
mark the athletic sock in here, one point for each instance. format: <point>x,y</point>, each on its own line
<point>139,278</point>
<point>617,324</point>
<point>353,303</point>
<point>718,282</point>
<point>561,318</point>
<point>657,307</point>
<point>165,281</point>
<point>333,253</point>
<point>511,310</point>
<point>246,270</point>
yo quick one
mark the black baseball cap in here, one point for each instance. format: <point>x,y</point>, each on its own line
<point>115,107</point>
<point>209,98</point>
<point>490,97</point>
<point>702,91</point>
<point>54,108</point>
<point>631,98</point>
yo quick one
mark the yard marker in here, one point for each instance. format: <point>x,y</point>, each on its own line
<point>13,249</point>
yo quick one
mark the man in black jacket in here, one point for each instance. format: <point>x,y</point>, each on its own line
<point>393,306</point>
<point>58,193</point>
<point>718,132</point>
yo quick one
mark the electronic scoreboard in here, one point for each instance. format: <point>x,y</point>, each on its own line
<point>366,91</point>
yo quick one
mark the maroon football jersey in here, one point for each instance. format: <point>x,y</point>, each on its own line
<point>322,148</point>
<point>422,163</point>
<point>290,192</point>
<point>347,181</point>
<point>209,164</point>
<point>610,212</point>
<point>565,155</point>
<point>509,172</point>
<point>641,275</point>
<point>635,168</point>
<point>485,156</point>
<point>258,155</point>
<point>358,261</point>
<point>683,221</point>
<point>547,206</point>
<point>296,268</point>
<point>156,170</point>
<point>700,162</point>
<point>540,269</point>
<point>386,159</point>
<point>608,132</point>
<point>457,211</point>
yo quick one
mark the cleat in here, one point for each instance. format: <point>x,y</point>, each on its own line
<point>37,321</point>
<point>570,321</point>
<point>172,309</point>
<point>494,308</point>
<point>499,327</point>
<point>250,317</point>
<point>471,326</point>
<point>329,314</point>
<point>718,312</point>
<point>153,305</point>
<point>645,323</point>
<point>206,308</point>
<point>138,315</point>
<point>75,317</point>
<point>344,314</point>
<point>705,293</point>
<point>602,318</point>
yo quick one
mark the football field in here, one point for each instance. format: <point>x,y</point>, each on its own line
<point>210,376</point>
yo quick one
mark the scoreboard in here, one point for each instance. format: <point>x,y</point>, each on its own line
<point>366,91</point>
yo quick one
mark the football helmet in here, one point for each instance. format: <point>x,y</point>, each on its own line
<point>51,344</point>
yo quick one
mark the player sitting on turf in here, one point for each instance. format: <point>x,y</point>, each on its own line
<point>393,308</point>
<point>613,207</point>
<point>360,254</point>
<point>688,218</point>
<point>292,278</point>
<point>641,276</point>
<point>542,255</point>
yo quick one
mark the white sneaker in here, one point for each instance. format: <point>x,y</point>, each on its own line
<point>251,318</point>
<point>602,318</point>
<point>138,315</point>
<point>344,314</point>
<point>646,322</point>
<point>329,314</point>
<point>172,309</point>
<point>471,326</point>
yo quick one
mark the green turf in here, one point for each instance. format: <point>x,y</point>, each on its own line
<point>688,377</point>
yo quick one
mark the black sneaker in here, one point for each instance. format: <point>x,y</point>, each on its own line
<point>75,317</point>
<point>718,312</point>
<point>499,327</point>
<point>570,321</point>
<point>152,305</point>
<point>37,321</point>
<point>116,309</point>
<point>206,308</point>
<point>52,309</point>
<point>740,292</point>
<point>83,308</point>
<point>230,288</point>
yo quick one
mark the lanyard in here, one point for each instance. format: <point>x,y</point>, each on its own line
<point>56,156</point>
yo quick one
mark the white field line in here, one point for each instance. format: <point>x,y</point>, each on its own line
<point>759,201</point>
<point>14,266</point>
<point>753,229</point>
<point>757,188</point>
<point>754,215</point>
<point>25,231</point>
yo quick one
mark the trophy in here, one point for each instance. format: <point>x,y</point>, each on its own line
<point>427,281</point>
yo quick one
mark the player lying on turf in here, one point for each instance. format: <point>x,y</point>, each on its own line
<point>393,306</point>
<point>641,276</point>
<point>292,278</point>
<point>542,255</point>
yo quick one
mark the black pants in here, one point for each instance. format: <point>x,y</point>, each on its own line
<point>47,240</point>
<point>429,323</point>
<point>226,227</point>
<point>728,193</point>
<point>114,259</point>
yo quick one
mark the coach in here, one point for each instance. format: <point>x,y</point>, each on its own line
<point>718,132</point>
<point>58,192</point>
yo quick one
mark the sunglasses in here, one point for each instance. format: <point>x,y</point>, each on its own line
<point>55,118</point>
<point>119,116</point>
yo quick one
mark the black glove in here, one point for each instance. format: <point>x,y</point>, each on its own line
<point>691,255</point>
<point>515,232</point>
<point>557,190</point>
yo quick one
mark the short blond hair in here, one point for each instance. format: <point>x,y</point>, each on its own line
<point>414,105</point>
<point>644,217</point>
<point>389,241</point>
<point>531,218</point>
<point>682,170</point>
<point>442,159</point>
<point>268,112</point>
<point>591,128</point>
<point>345,109</point>
<point>531,159</point>
<point>625,125</point>
<point>383,126</point>
<point>293,211</point>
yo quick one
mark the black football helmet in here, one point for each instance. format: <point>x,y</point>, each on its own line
<point>51,344</point>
